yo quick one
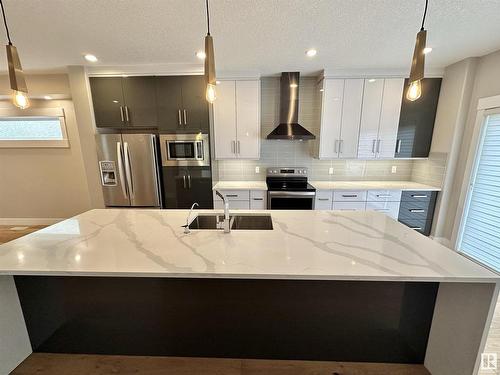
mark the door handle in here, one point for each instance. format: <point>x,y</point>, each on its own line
<point>121,114</point>
<point>120,168</point>
<point>185,117</point>
<point>189,181</point>
<point>126,114</point>
<point>373,146</point>
<point>184,180</point>
<point>180,117</point>
<point>238,144</point>
<point>128,169</point>
<point>398,146</point>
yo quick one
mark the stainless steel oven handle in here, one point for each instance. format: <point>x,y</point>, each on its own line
<point>286,194</point>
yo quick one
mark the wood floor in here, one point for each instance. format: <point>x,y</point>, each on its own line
<point>71,364</point>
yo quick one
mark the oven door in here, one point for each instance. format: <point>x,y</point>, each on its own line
<point>290,200</point>
<point>184,150</point>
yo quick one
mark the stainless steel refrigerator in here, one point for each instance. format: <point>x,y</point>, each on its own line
<point>129,170</point>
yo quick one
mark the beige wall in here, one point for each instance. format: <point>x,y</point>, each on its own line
<point>44,182</point>
<point>469,80</point>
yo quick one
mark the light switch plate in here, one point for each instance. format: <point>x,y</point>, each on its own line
<point>394,169</point>
<point>330,170</point>
<point>257,169</point>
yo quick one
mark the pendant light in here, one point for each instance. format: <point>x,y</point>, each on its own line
<point>209,63</point>
<point>16,75</point>
<point>418,63</point>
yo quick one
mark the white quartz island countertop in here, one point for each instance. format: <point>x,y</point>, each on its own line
<point>302,245</point>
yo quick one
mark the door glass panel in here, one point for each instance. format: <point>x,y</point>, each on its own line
<point>181,150</point>
<point>480,238</point>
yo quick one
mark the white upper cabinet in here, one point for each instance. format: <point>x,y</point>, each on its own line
<point>237,120</point>
<point>370,118</point>
<point>380,117</point>
<point>340,118</point>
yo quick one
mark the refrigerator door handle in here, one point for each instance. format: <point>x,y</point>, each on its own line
<point>128,169</point>
<point>120,168</point>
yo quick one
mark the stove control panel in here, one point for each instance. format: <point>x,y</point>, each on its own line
<point>287,172</point>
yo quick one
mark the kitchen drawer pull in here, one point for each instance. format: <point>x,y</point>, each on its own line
<point>349,195</point>
<point>231,195</point>
<point>419,196</point>
<point>384,195</point>
<point>323,199</point>
<point>416,228</point>
<point>258,199</point>
<point>414,210</point>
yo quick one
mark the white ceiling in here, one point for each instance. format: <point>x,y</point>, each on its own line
<point>262,36</point>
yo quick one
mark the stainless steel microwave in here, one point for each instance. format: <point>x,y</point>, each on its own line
<point>184,150</point>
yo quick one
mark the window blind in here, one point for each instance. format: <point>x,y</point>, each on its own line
<point>481,229</point>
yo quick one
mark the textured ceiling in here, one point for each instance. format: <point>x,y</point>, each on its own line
<point>263,36</point>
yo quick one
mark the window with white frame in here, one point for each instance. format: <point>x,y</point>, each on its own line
<point>33,128</point>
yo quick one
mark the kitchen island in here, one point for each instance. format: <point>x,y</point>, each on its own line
<point>322,285</point>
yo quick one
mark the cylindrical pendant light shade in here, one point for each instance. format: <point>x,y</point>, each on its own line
<point>17,81</point>
<point>418,62</point>
<point>210,69</point>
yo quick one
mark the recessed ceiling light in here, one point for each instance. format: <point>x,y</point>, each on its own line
<point>201,55</point>
<point>427,50</point>
<point>90,58</point>
<point>47,97</point>
<point>311,52</point>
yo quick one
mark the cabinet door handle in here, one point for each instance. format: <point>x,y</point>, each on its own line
<point>126,114</point>
<point>323,199</point>
<point>239,149</point>
<point>121,114</point>
<point>232,195</point>
<point>419,196</point>
<point>373,146</point>
<point>398,146</point>
<point>416,210</point>
<point>349,195</point>
<point>336,146</point>
<point>189,181</point>
<point>258,199</point>
<point>233,147</point>
<point>184,179</point>
<point>185,117</point>
<point>180,117</point>
<point>341,143</point>
<point>378,146</point>
<point>384,195</point>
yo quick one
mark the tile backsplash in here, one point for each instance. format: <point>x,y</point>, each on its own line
<point>300,153</point>
<point>430,171</point>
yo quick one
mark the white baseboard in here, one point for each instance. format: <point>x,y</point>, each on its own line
<point>29,220</point>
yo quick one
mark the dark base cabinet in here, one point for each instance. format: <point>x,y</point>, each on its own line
<point>362,321</point>
<point>417,210</point>
<point>183,186</point>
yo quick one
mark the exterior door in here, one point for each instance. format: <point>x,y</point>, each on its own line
<point>141,169</point>
<point>248,119</point>
<point>140,99</point>
<point>169,101</point>
<point>331,118</point>
<point>351,116</point>
<point>225,121</point>
<point>108,101</point>
<point>194,104</point>
<point>389,117</point>
<point>112,170</point>
<point>370,118</point>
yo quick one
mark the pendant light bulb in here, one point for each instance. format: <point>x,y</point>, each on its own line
<point>211,94</point>
<point>20,99</point>
<point>414,91</point>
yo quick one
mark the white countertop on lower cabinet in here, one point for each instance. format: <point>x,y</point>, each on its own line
<point>372,185</point>
<point>303,245</point>
<point>240,185</point>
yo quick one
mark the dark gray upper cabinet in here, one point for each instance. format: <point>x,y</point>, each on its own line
<point>124,102</point>
<point>181,104</point>
<point>416,121</point>
<point>107,97</point>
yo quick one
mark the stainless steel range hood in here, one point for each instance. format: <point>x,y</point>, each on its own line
<point>289,128</point>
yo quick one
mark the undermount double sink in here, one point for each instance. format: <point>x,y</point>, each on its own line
<point>238,222</point>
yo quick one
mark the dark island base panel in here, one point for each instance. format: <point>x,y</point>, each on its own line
<point>229,318</point>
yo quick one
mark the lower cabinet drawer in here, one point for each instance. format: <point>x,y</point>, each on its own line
<point>422,226</point>
<point>414,210</point>
<point>349,206</point>
<point>233,205</point>
<point>349,195</point>
<point>417,196</point>
<point>234,195</point>
<point>389,208</point>
<point>323,203</point>
<point>258,203</point>
<point>384,195</point>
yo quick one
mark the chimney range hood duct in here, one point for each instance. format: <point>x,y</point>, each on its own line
<point>289,127</point>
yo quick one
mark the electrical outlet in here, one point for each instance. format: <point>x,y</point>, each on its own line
<point>257,169</point>
<point>394,169</point>
<point>330,170</point>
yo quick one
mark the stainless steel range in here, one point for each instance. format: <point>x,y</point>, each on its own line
<point>288,189</point>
